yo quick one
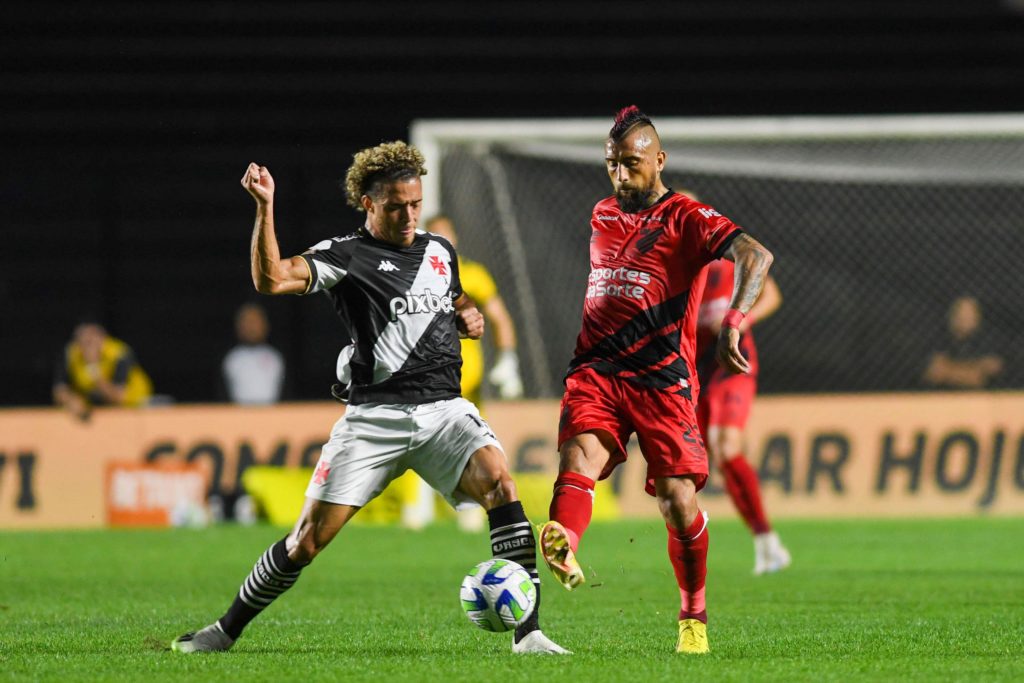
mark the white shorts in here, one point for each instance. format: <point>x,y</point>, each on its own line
<point>374,443</point>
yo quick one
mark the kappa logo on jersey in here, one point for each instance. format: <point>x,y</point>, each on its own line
<point>387,266</point>
<point>427,302</point>
<point>607,218</point>
<point>438,265</point>
<point>708,212</point>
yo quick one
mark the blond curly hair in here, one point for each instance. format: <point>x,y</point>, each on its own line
<point>388,161</point>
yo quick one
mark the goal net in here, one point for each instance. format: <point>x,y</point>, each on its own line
<point>877,223</point>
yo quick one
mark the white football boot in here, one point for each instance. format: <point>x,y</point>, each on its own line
<point>536,642</point>
<point>209,639</point>
<point>770,555</point>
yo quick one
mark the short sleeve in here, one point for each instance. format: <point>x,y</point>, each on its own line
<point>457,289</point>
<point>328,263</point>
<point>713,231</point>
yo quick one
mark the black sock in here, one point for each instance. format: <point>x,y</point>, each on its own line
<point>273,574</point>
<point>512,539</point>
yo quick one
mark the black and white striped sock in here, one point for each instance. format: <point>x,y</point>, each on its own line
<point>512,539</point>
<point>273,574</point>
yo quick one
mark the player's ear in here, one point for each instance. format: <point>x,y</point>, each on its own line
<point>367,202</point>
<point>660,160</point>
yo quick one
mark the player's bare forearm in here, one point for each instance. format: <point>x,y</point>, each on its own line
<point>767,303</point>
<point>270,274</point>
<point>264,254</point>
<point>752,263</point>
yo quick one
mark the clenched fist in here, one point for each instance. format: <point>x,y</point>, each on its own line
<point>470,322</point>
<point>258,182</point>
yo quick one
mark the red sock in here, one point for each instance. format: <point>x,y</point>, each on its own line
<point>689,554</point>
<point>745,490</point>
<point>572,504</point>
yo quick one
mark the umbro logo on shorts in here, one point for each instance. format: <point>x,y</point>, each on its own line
<point>387,266</point>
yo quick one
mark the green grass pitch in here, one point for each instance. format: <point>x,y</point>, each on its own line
<point>872,601</point>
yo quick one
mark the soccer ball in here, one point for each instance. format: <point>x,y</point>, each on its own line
<point>498,595</point>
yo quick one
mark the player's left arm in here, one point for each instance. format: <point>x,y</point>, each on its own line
<point>468,318</point>
<point>752,262</point>
<point>766,304</point>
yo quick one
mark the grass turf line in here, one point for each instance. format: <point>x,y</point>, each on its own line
<point>864,600</point>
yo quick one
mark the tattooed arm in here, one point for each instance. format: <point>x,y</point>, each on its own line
<point>752,262</point>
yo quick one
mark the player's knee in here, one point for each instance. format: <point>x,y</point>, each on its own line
<point>678,503</point>
<point>574,457</point>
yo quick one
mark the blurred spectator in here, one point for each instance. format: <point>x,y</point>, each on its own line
<point>253,370</point>
<point>479,286</point>
<point>98,370</point>
<point>966,361</point>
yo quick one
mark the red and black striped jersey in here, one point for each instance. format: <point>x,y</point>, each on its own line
<point>645,286</point>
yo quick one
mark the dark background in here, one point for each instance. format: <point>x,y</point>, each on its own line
<point>125,127</point>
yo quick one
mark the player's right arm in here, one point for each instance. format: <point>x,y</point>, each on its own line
<point>270,273</point>
<point>468,318</point>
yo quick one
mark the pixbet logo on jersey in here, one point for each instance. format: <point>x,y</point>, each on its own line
<point>617,282</point>
<point>427,302</point>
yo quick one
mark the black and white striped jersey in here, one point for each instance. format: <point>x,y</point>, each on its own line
<point>398,303</point>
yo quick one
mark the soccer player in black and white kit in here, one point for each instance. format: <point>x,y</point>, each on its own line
<point>398,289</point>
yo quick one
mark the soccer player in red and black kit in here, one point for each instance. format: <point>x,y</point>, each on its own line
<point>634,368</point>
<point>725,400</point>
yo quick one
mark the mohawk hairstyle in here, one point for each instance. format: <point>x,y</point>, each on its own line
<point>626,119</point>
<point>388,162</point>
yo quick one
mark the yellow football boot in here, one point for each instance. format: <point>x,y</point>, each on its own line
<point>693,637</point>
<point>558,554</point>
